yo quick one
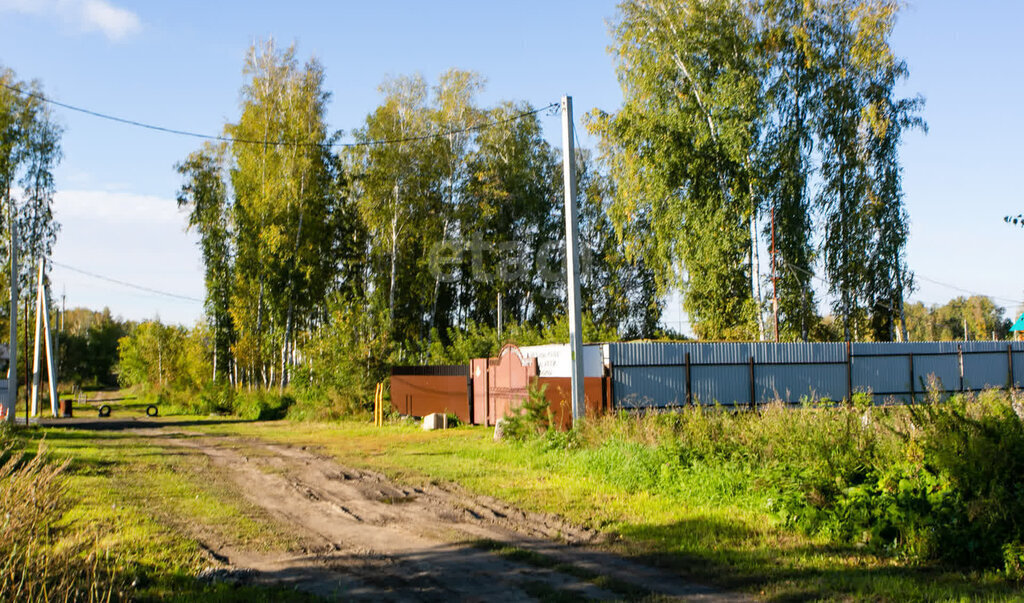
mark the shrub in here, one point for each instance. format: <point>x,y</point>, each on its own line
<point>941,481</point>
<point>532,418</point>
<point>262,405</point>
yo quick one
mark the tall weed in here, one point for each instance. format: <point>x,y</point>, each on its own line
<point>37,561</point>
<point>941,481</point>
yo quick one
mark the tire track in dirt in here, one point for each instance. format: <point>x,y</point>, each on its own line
<point>372,539</point>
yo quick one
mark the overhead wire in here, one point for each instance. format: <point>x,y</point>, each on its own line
<point>810,274</point>
<point>234,140</point>
<point>968,291</point>
<point>127,284</point>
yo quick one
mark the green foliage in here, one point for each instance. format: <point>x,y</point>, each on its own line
<point>261,405</point>
<point>204,193</point>
<point>344,361</point>
<point>935,482</point>
<point>29,152</point>
<point>155,357</point>
<point>532,418</point>
<point>89,347</point>
<point>946,323</point>
<point>729,108</point>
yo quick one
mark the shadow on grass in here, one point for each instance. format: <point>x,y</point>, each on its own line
<point>731,555</point>
<point>115,424</point>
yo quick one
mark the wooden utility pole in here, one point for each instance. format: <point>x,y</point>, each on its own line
<point>572,261</point>
<point>43,322</point>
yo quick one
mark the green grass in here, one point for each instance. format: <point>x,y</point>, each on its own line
<point>142,504</point>
<point>711,518</point>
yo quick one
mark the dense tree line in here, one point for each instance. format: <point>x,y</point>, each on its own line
<point>88,347</point>
<point>763,122</point>
<point>328,260</point>
<point>975,317</point>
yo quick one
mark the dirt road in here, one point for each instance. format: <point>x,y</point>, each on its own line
<point>367,538</point>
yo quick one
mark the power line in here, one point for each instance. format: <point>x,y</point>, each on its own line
<point>126,284</point>
<point>916,275</point>
<point>968,291</point>
<point>365,143</point>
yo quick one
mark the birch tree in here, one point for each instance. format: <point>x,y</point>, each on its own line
<point>29,152</point>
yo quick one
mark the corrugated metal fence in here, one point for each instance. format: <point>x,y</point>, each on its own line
<point>658,375</point>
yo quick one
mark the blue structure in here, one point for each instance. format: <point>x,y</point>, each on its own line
<point>1018,328</point>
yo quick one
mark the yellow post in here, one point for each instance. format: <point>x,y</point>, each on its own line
<point>378,405</point>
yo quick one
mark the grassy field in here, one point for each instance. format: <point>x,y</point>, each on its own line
<point>716,525</point>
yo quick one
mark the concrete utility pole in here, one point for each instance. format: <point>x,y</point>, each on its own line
<point>572,261</point>
<point>12,369</point>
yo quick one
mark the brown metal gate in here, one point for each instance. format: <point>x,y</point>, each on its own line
<point>500,384</point>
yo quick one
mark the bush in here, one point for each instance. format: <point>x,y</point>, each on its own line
<point>331,405</point>
<point>532,418</point>
<point>262,405</point>
<point>942,481</point>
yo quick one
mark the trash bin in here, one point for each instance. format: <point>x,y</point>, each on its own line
<point>65,407</point>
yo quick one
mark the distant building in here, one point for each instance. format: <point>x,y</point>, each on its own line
<point>1017,330</point>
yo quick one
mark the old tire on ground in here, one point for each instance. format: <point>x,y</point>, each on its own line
<point>152,411</point>
<point>105,410</point>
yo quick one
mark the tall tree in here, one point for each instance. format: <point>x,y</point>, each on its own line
<point>860,125</point>
<point>681,151</point>
<point>205,194</point>
<point>730,108</point>
<point>29,152</point>
<point>284,211</point>
<point>401,201</point>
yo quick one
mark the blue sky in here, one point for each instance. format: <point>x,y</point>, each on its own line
<point>178,64</point>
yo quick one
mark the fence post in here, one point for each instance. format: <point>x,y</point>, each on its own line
<point>1009,366</point>
<point>753,400</point>
<point>913,388</point>
<point>960,358</point>
<point>689,389</point>
<point>469,393</point>
<point>611,386</point>
<point>849,372</point>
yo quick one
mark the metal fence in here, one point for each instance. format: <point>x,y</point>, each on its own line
<point>658,375</point>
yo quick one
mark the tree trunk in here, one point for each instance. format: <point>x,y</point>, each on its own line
<point>755,271</point>
<point>394,258</point>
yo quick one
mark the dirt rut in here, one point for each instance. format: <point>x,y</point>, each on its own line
<point>371,539</point>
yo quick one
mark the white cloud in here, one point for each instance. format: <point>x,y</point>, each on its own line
<point>117,208</point>
<point>132,238</point>
<point>86,15</point>
<point>115,23</point>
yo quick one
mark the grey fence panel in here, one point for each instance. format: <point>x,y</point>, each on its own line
<point>724,384</point>
<point>985,370</point>
<point>1018,368</point>
<point>942,371</point>
<point>796,383</point>
<point>654,374</point>
<point>634,354</point>
<point>649,386</point>
<point>883,376</point>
